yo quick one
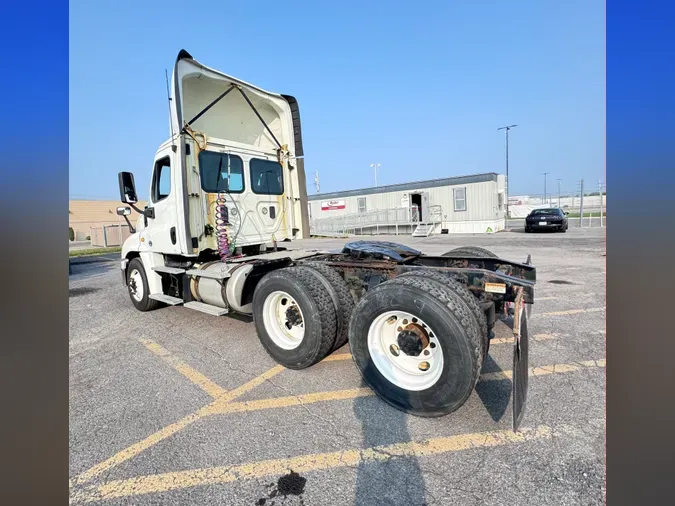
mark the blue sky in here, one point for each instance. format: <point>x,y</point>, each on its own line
<point>419,87</point>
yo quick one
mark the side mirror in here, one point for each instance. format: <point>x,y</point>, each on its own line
<point>123,211</point>
<point>127,188</point>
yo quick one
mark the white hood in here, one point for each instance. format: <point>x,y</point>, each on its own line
<point>195,86</point>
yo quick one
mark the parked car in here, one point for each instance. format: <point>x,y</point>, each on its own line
<point>551,218</point>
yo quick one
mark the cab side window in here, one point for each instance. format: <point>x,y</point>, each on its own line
<point>161,180</point>
<point>266,177</point>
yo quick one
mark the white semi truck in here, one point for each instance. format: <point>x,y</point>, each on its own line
<point>227,200</point>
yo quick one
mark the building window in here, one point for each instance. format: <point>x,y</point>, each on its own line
<point>266,177</point>
<point>221,172</point>
<point>161,179</point>
<point>459,196</point>
<point>362,204</point>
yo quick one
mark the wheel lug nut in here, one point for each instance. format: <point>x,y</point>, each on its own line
<point>391,320</point>
<point>394,350</point>
<point>424,366</point>
<point>426,352</point>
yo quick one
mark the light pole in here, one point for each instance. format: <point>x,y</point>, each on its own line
<point>507,128</point>
<point>375,166</point>
<point>559,192</point>
<point>545,174</point>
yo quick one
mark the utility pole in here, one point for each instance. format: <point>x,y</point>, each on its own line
<point>545,174</point>
<point>375,166</point>
<point>507,128</point>
<point>317,185</point>
<point>600,191</point>
<point>581,204</point>
<point>559,193</point>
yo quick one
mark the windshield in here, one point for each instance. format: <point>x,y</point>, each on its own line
<point>538,212</point>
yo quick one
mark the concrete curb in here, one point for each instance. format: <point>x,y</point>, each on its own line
<point>89,259</point>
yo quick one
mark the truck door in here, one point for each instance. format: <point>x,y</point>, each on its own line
<point>161,234</point>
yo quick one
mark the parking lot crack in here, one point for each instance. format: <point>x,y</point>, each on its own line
<point>311,413</point>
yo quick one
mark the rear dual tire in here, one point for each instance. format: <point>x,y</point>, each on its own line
<point>425,384</point>
<point>302,313</point>
<point>294,316</point>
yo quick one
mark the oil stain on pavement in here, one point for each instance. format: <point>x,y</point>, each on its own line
<point>289,484</point>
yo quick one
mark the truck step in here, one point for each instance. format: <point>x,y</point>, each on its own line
<point>167,299</point>
<point>212,274</point>
<point>168,270</point>
<point>206,308</point>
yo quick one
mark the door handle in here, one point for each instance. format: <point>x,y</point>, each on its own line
<point>172,233</point>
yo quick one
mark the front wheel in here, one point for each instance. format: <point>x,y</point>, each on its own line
<point>137,283</point>
<point>416,345</point>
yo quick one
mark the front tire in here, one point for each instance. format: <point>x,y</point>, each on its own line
<point>294,316</point>
<point>137,284</point>
<point>394,326</point>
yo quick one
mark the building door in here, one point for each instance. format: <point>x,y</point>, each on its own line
<point>415,206</point>
<point>424,208</point>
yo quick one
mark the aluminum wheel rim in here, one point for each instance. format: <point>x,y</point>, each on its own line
<point>404,371</point>
<point>136,285</point>
<point>286,332</point>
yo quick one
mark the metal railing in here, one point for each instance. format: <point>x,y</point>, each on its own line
<point>393,217</point>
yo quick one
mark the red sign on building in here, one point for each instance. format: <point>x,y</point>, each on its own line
<point>330,205</point>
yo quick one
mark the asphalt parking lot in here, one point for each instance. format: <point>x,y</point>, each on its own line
<point>179,407</point>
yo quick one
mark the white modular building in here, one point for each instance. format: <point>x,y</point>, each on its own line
<point>463,204</point>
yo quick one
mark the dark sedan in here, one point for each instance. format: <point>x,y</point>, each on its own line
<point>546,219</point>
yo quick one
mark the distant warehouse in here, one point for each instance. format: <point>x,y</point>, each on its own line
<point>463,204</point>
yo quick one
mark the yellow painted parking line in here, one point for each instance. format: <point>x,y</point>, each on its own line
<point>309,463</point>
<point>193,375</point>
<point>509,340</point>
<point>135,449</point>
<point>169,430</point>
<point>572,311</point>
<point>352,393</point>
<point>545,370</point>
<point>337,356</point>
<point>218,404</point>
<point>294,400</point>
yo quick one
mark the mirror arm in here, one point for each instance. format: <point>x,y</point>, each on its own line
<point>131,227</point>
<point>148,212</point>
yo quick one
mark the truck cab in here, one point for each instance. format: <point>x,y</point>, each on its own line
<point>231,176</point>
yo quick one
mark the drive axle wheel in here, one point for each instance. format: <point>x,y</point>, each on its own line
<point>416,345</point>
<point>294,316</point>
<point>283,320</point>
<point>470,251</point>
<point>405,350</point>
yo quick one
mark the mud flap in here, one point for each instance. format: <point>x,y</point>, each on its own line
<point>520,360</point>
